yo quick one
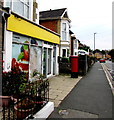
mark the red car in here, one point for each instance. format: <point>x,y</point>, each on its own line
<point>102,60</point>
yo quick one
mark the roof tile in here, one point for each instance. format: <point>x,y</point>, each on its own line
<point>52,13</point>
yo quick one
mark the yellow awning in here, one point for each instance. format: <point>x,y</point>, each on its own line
<point>25,27</point>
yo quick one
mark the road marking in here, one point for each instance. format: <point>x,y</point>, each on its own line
<point>100,69</point>
<point>109,77</point>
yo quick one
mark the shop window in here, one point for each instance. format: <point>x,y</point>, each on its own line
<point>35,59</point>
<point>20,57</point>
<point>27,51</point>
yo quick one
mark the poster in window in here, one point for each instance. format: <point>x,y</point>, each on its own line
<point>20,57</point>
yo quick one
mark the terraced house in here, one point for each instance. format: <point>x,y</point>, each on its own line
<point>26,43</point>
<point>58,21</point>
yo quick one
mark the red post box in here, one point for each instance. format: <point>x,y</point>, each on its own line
<point>74,66</point>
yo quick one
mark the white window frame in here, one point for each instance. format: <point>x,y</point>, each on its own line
<point>75,44</point>
<point>29,15</point>
<point>64,31</point>
<point>47,46</point>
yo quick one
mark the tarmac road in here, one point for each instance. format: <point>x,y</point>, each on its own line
<point>90,98</point>
<point>110,66</point>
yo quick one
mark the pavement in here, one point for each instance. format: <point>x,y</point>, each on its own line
<point>60,87</point>
<point>87,97</point>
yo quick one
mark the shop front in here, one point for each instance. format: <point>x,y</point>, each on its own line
<point>30,47</point>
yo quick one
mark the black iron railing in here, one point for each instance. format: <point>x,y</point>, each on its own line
<point>27,103</point>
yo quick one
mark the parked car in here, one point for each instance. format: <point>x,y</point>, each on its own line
<point>109,59</point>
<point>102,60</point>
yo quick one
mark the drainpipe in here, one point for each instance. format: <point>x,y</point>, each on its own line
<point>6,13</point>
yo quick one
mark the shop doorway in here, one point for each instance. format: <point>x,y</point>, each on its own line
<point>47,62</point>
<point>54,61</point>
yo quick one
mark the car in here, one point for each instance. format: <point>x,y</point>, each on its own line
<point>102,61</point>
<point>109,59</point>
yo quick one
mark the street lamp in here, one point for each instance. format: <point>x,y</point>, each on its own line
<point>94,40</point>
<point>94,44</point>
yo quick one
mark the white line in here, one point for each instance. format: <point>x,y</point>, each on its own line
<point>107,75</point>
<point>108,80</point>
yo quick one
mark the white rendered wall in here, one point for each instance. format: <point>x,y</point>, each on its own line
<point>37,12</point>
<point>31,10</point>
<point>57,64</point>
<point>7,54</point>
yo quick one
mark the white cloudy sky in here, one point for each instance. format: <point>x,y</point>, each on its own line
<point>88,17</point>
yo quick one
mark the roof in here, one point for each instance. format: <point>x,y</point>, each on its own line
<point>71,32</point>
<point>53,14</point>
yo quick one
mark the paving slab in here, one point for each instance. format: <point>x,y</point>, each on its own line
<point>60,87</point>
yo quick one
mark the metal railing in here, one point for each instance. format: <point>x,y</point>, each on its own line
<point>26,104</point>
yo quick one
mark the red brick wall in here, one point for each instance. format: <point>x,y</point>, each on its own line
<point>52,25</point>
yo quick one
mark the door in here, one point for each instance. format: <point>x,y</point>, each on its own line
<point>49,61</point>
<point>54,60</point>
<point>45,62</point>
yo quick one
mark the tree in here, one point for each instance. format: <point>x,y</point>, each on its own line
<point>95,51</point>
<point>103,53</point>
<point>84,47</point>
<point>111,53</point>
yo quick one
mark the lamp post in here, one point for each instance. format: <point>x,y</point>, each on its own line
<point>94,40</point>
<point>94,44</point>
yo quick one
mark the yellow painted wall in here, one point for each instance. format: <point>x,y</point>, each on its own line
<point>24,27</point>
